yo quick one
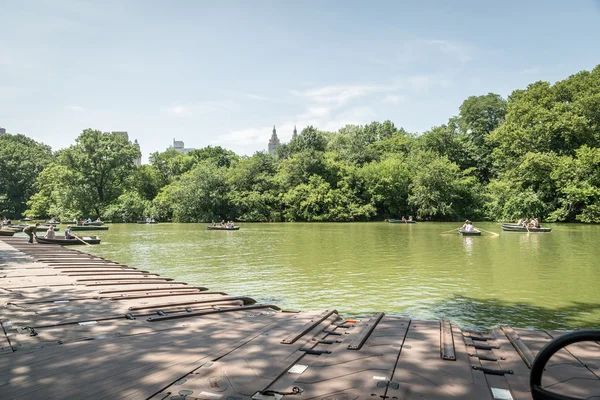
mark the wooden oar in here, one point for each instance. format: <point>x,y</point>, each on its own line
<point>81,240</point>
<point>493,233</point>
<point>455,229</point>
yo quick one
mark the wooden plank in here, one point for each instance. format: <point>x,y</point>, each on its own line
<point>422,372</point>
<point>244,371</point>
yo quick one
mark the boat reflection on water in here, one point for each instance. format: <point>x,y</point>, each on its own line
<point>530,241</point>
<point>468,244</point>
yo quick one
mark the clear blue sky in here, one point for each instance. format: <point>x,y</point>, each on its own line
<point>224,72</point>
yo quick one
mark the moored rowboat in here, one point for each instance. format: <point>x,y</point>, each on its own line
<point>222,228</point>
<point>521,228</point>
<point>7,232</point>
<point>68,242</point>
<point>399,221</point>
<point>88,228</point>
<point>469,233</point>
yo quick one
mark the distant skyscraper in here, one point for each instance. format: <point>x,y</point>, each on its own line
<point>180,147</point>
<point>137,161</point>
<point>273,142</point>
<point>2,130</point>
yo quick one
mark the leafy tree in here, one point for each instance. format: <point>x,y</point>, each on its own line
<point>481,115</point>
<point>440,190</point>
<point>545,118</point>
<point>102,163</point>
<point>578,184</point>
<point>308,140</point>
<point>253,191</point>
<point>21,161</point>
<point>171,164</point>
<point>215,155</point>
<point>198,195</point>
<point>146,181</point>
<point>129,207</point>
<point>388,184</point>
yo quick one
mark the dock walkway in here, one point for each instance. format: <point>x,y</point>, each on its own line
<point>78,326</point>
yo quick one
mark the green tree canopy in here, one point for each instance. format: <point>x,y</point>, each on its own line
<point>21,161</point>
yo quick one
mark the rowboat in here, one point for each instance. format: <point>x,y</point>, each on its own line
<point>399,221</point>
<point>20,227</point>
<point>69,242</point>
<point>469,233</point>
<point>144,222</point>
<point>95,223</point>
<point>88,228</point>
<point>521,228</point>
<point>222,228</point>
<point>7,232</point>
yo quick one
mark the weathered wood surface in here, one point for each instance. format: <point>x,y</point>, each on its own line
<point>81,327</point>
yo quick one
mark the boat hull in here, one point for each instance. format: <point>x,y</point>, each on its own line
<point>69,242</point>
<point>218,228</point>
<point>469,233</point>
<point>520,228</point>
<point>19,228</point>
<point>89,228</point>
<point>144,222</point>
<point>7,232</point>
<point>399,221</point>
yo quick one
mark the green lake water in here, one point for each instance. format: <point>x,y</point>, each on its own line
<point>538,280</point>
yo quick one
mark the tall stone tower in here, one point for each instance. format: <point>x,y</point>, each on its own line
<point>137,161</point>
<point>273,142</point>
<point>295,134</point>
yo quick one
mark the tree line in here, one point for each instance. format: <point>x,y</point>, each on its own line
<point>535,153</point>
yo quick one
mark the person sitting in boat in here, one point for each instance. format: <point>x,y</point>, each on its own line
<point>468,226</point>
<point>98,220</point>
<point>222,223</point>
<point>403,219</point>
<point>213,223</point>
<point>75,220</point>
<point>410,217</point>
<point>89,220</point>
<point>148,220</point>
<point>52,221</point>
<point>521,221</point>
<point>152,220</point>
<point>68,233</point>
<point>50,234</point>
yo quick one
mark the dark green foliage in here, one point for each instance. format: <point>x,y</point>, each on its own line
<point>21,161</point>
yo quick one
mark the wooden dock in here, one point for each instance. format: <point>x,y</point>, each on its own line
<point>77,326</point>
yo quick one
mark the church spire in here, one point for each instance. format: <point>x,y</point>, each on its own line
<point>273,142</point>
<point>295,134</point>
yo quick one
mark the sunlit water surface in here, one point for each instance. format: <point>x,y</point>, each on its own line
<point>539,280</point>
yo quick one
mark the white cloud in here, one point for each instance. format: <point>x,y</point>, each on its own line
<point>76,108</point>
<point>452,48</point>
<point>179,111</point>
<point>530,71</point>
<point>205,107</point>
<point>393,99</point>
<point>339,95</point>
